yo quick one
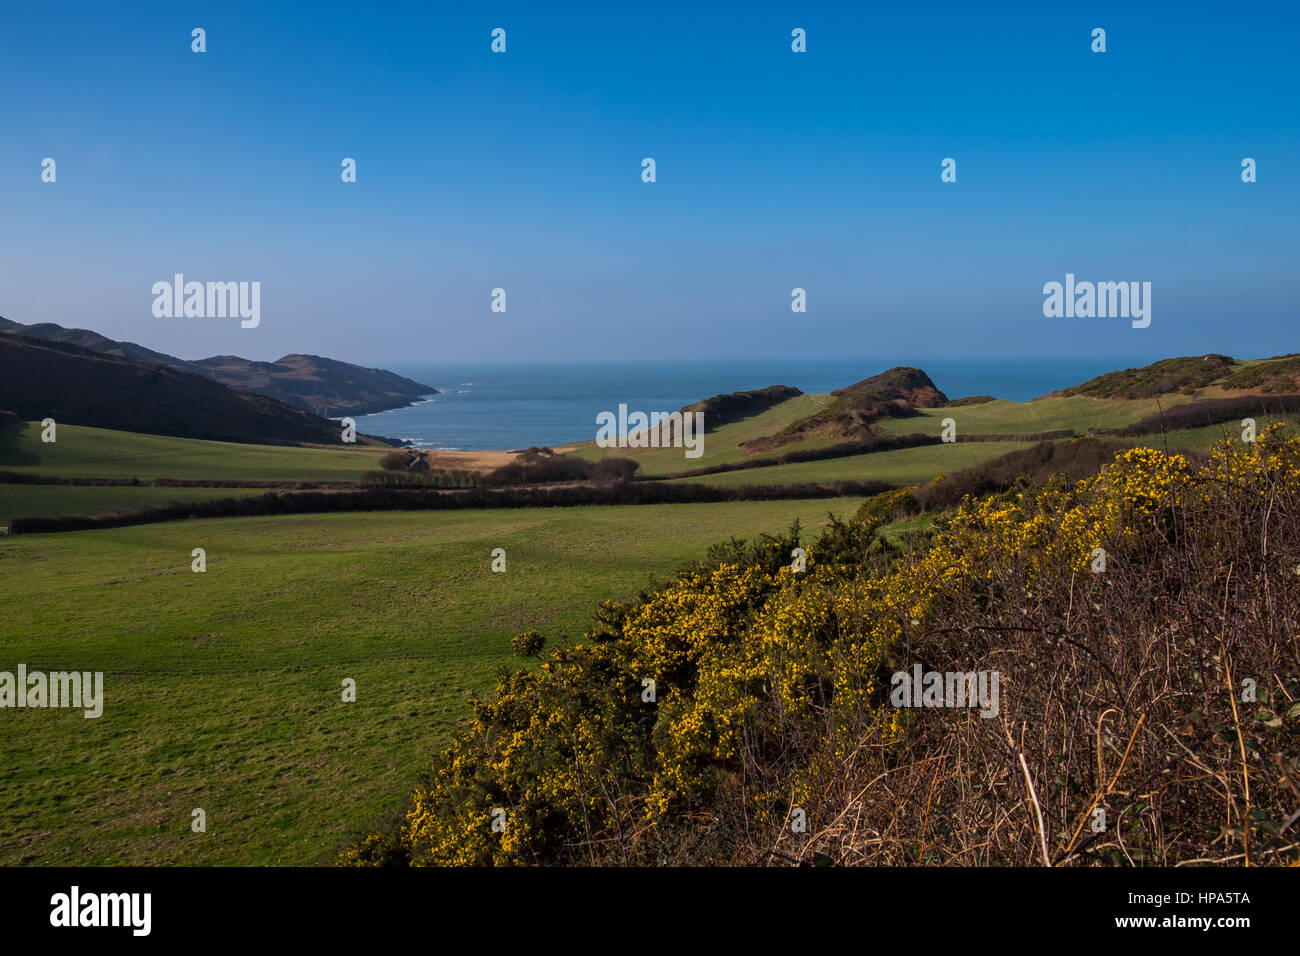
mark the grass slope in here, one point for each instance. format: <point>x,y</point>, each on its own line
<point>223,689</point>
<point>1078,413</point>
<point>902,466</point>
<point>102,452</point>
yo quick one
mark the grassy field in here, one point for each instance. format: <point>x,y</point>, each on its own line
<point>1078,413</point>
<point>101,452</point>
<point>222,689</point>
<point>902,466</point>
<point>44,501</point>
<point>1202,439</point>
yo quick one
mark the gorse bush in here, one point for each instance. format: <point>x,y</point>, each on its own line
<point>1148,712</point>
<point>527,644</point>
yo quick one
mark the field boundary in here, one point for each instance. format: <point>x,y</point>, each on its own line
<point>390,499</point>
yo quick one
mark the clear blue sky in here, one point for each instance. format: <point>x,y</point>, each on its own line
<point>775,170</point>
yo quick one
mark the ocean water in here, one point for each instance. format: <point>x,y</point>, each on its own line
<point>496,406</point>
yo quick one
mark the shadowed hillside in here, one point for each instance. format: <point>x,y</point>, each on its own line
<point>1168,375</point>
<point>322,385</point>
<point>76,386</point>
<point>724,409</point>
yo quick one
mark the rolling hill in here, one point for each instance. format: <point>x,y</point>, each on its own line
<point>77,386</point>
<point>321,385</point>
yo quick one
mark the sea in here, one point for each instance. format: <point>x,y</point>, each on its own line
<point>515,406</point>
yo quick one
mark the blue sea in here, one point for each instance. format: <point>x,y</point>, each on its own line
<point>495,406</point>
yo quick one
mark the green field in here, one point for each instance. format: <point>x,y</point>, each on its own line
<point>1077,413</point>
<point>1202,439</point>
<point>223,689</point>
<point>901,466</point>
<point>101,452</point>
<point>47,501</point>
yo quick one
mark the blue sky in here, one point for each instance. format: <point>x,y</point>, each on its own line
<point>775,170</point>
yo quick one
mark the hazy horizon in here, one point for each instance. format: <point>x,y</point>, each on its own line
<point>775,170</point>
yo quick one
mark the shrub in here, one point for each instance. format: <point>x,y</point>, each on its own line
<point>614,469</point>
<point>534,469</point>
<point>527,644</point>
<point>397,460</point>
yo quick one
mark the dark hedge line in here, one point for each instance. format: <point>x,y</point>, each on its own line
<point>288,484</point>
<point>394,499</point>
<point>23,478</point>
<point>533,467</point>
<point>1054,435</point>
